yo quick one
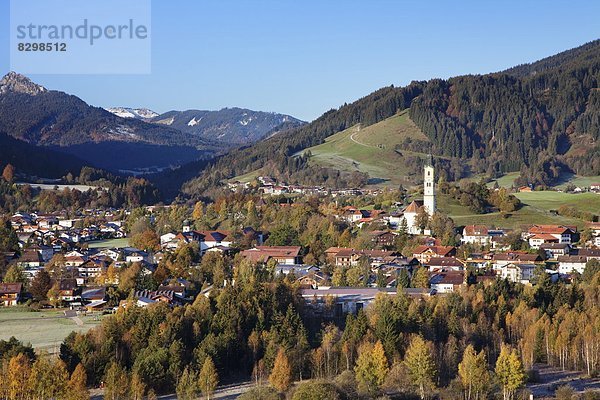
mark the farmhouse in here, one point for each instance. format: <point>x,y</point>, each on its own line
<point>447,282</point>
<point>570,264</point>
<point>540,234</point>
<point>517,272</point>
<point>425,253</point>
<point>554,250</point>
<point>10,293</point>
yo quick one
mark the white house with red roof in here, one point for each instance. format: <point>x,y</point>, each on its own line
<point>540,234</point>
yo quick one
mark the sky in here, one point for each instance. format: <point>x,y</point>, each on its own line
<point>305,57</point>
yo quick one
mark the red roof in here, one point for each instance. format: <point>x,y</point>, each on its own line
<point>552,229</point>
<point>476,230</point>
<point>10,288</point>
<point>441,251</point>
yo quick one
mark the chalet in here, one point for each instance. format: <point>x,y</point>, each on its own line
<point>383,238</point>
<point>205,239</point>
<point>131,255</point>
<point>517,272</point>
<point>93,294</point>
<point>75,259</point>
<point>287,255</point>
<point>447,282</point>
<point>425,253</point>
<point>444,264</point>
<point>297,270</point>
<point>554,250</point>
<point>30,259</point>
<point>348,257</point>
<point>147,297</point>
<point>540,234</point>
<point>481,235</point>
<point>91,268</point>
<point>571,263</point>
<point>68,290</point>
<point>587,253</point>
<point>210,239</point>
<point>10,293</point>
<point>499,260</point>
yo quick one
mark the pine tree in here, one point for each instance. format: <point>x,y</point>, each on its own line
<point>403,279</point>
<point>19,370</point>
<point>509,372</point>
<point>208,378</point>
<point>420,365</point>
<point>371,367</point>
<point>281,375</point>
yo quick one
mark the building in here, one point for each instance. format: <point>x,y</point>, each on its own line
<point>481,235</point>
<point>10,293</point>
<point>540,234</point>
<point>517,272</point>
<point>428,203</point>
<point>571,263</point>
<point>425,253</point>
<point>554,250</point>
<point>287,255</point>
<point>429,187</point>
<point>447,282</point>
<point>445,264</point>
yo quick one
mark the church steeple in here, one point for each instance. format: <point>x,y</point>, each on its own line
<point>429,186</point>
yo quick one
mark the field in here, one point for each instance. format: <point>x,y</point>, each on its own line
<point>370,150</point>
<point>536,209</point>
<point>108,243</point>
<point>45,330</point>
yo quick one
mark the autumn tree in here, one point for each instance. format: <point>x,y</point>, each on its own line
<point>420,278</point>
<point>371,367</point>
<point>509,372</point>
<point>208,378</point>
<point>77,389</point>
<point>187,386</point>
<point>8,174</point>
<point>40,285</point>
<point>116,383</point>
<point>281,375</point>
<point>19,369</point>
<point>137,387</point>
<point>473,373</point>
<point>420,365</point>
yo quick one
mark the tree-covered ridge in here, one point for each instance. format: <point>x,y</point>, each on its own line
<point>507,121</point>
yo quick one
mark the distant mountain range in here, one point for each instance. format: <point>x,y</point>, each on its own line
<point>130,140</point>
<point>230,126</point>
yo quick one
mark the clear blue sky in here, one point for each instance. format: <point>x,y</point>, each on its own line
<point>305,57</point>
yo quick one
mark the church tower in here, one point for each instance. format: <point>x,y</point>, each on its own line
<point>429,187</point>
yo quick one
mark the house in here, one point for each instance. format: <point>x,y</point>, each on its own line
<point>540,234</point>
<point>385,239</point>
<point>74,259</point>
<point>554,250</point>
<point>348,257</point>
<point>523,189</point>
<point>92,294</point>
<point>287,255</point>
<point>30,259</point>
<point>447,282</point>
<point>68,290</point>
<point>499,260</point>
<point>147,297</point>
<point>10,293</point>
<point>595,187</point>
<point>444,264</point>
<point>481,235</point>
<point>594,228</point>
<point>571,263</point>
<point>210,239</point>
<point>517,272</point>
<point>425,253</point>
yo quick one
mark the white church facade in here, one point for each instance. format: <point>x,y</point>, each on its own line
<point>428,203</point>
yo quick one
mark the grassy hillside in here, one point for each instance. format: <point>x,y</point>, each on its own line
<point>536,209</point>
<point>371,150</point>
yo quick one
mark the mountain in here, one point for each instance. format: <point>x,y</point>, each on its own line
<point>137,113</point>
<point>540,119</point>
<point>42,117</point>
<point>235,126</point>
<point>37,161</point>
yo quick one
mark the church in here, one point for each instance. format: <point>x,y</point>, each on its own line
<point>428,202</point>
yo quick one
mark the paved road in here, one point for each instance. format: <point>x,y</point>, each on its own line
<point>225,392</point>
<point>551,378</point>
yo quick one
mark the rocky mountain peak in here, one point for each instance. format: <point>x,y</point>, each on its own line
<point>17,83</point>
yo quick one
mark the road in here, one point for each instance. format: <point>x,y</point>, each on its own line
<point>551,378</point>
<point>225,392</point>
<point>357,142</point>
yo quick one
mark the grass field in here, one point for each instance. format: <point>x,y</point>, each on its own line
<point>108,243</point>
<point>370,150</point>
<point>44,330</point>
<point>536,209</point>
